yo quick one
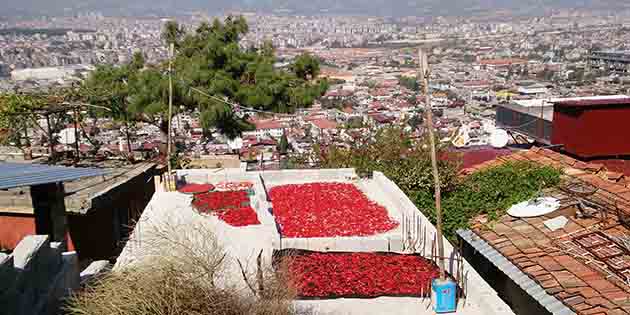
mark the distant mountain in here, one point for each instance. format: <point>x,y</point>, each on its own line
<point>361,7</point>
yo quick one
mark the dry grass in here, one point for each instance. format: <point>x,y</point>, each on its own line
<point>182,272</point>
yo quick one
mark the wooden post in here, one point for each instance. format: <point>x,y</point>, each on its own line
<point>170,108</point>
<point>76,135</point>
<point>424,74</point>
<point>28,151</point>
<point>51,144</point>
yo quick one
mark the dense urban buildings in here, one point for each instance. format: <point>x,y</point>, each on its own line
<point>260,106</point>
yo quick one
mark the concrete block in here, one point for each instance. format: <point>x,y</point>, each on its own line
<point>297,243</point>
<point>95,269</point>
<point>347,244</point>
<point>72,278</point>
<point>28,248</point>
<point>395,244</point>
<point>7,272</point>
<point>377,244</point>
<point>322,244</point>
<point>54,255</point>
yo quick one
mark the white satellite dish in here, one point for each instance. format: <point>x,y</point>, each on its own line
<point>534,207</point>
<point>499,138</point>
<point>66,136</point>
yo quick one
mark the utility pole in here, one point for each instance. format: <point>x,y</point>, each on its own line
<point>76,135</point>
<point>51,139</point>
<point>424,74</point>
<point>170,108</point>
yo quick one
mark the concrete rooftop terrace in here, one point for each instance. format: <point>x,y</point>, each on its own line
<point>580,268</point>
<point>244,243</point>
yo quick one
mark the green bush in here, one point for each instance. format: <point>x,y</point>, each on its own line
<point>491,191</point>
<point>408,164</point>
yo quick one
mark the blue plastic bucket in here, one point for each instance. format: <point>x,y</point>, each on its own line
<point>443,295</point>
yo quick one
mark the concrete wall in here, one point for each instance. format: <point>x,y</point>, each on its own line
<point>519,300</point>
<point>476,288</point>
<point>284,177</point>
<point>101,232</point>
<point>36,276</point>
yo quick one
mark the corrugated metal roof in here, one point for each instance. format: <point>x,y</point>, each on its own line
<point>23,174</point>
<point>549,302</point>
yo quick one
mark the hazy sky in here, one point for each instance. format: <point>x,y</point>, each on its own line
<point>373,7</point>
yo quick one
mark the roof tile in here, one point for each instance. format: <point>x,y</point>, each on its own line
<point>581,307</point>
<point>551,283</point>
<point>549,263</point>
<point>586,292</point>
<point>603,286</point>
<point>614,176</point>
<point>509,250</point>
<point>533,247</point>
<point>575,300</point>
<point>568,280</point>
<point>595,310</point>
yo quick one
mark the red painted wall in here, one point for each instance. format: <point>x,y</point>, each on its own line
<point>592,131</point>
<point>14,227</point>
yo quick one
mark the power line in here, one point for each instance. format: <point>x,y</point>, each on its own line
<point>520,126</point>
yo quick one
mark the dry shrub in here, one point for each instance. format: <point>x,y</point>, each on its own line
<point>180,270</point>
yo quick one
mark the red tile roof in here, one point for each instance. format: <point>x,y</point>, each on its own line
<point>476,83</point>
<point>348,110</point>
<point>324,124</point>
<point>475,156</point>
<point>503,62</point>
<point>267,124</point>
<point>381,119</point>
<point>263,142</point>
<point>568,263</point>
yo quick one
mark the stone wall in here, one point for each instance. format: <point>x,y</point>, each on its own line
<point>35,277</point>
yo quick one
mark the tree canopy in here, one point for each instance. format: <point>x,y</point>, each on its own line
<point>305,67</point>
<point>210,59</point>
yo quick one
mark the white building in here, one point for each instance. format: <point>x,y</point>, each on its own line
<point>265,129</point>
<point>51,73</point>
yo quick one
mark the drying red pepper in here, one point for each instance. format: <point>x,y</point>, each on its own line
<point>232,207</point>
<point>326,210</point>
<point>327,275</point>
